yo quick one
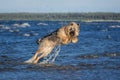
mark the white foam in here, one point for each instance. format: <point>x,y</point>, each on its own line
<point>35,34</point>
<point>6,27</point>
<point>1,26</point>
<point>16,25</point>
<point>104,30</point>
<point>17,30</point>
<point>109,37</point>
<point>11,30</point>
<point>44,24</point>
<point>26,34</point>
<point>23,25</point>
<point>115,26</point>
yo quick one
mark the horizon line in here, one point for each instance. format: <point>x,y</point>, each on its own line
<point>60,12</point>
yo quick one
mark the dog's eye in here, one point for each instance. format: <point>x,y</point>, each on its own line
<point>70,29</point>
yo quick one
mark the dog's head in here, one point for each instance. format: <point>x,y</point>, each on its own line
<point>69,33</point>
<point>72,29</point>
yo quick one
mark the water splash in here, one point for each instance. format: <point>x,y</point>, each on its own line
<point>52,56</point>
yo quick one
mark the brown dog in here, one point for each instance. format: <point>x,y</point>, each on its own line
<point>64,35</point>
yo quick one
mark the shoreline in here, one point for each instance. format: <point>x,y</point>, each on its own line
<point>68,20</point>
<point>83,17</point>
<point>101,21</point>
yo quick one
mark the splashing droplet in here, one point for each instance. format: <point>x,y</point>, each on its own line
<point>52,56</point>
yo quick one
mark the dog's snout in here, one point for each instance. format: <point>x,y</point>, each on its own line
<point>72,33</point>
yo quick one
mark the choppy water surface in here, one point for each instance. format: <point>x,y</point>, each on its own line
<point>95,57</point>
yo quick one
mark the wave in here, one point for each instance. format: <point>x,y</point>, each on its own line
<point>92,56</point>
<point>17,30</point>
<point>115,26</point>
<point>15,64</point>
<point>26,34</point>
<point>42,24</point>
<point>23,25</point>
<point>30,34</point>
<point>5,27</point>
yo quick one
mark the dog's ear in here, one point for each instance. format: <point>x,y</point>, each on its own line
<point>71,24</point>
<point>78,24</point>
<point>66,30</point>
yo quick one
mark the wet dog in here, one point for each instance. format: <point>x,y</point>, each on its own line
<point>63,35</point>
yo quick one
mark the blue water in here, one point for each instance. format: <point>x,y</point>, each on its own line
<point>96,56</point>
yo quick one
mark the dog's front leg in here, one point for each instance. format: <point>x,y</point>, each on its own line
<point>65,41</point>
<point>39,57</point>
<point>31,60</point>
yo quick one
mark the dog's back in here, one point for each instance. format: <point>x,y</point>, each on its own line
<point>51,37</point>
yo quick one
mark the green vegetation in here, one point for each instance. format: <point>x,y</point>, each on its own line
<point>60,16</point>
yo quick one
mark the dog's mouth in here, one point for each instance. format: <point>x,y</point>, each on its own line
<point>72,33</point>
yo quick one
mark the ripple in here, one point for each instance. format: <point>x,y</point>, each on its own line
<point>17,30</point>
<point>26,34</point>
<point>23,25</point>
<point>51,67</point>
<point>30,34</point>
<point>42,24</point>
<point>6,27</point>
<point>92,56</point>
<point>115,26</point>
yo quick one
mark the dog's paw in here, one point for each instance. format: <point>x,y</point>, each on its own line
<point>30,61</point>
<point>74,40</point>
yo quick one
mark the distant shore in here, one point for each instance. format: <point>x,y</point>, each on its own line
<point>100,21</point>
<point>83,17</point>
<point>70,20</point>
